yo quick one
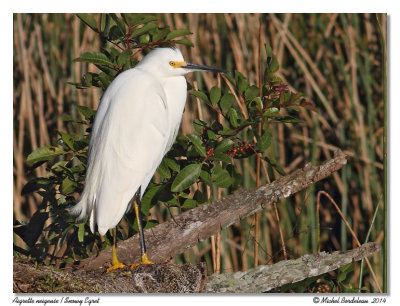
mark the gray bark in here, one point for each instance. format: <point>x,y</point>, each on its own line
<point>265,278</point>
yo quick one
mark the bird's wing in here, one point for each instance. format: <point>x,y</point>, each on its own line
<point>128,143</point>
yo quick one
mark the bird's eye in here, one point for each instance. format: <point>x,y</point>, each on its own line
<point>172,63</point>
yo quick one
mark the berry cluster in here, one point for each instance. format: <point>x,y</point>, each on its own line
<point>209,149</point>
<point>241,147</point>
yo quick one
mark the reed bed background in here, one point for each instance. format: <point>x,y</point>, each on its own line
<point>337,60</point>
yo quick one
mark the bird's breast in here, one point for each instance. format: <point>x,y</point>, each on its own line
<point>175,92</point>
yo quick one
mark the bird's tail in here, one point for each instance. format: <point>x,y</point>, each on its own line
<point>80,209</point>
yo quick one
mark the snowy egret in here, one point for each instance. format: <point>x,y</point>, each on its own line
<point>135,125</point>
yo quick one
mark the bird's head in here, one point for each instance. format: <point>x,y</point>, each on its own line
<point>170,62</point>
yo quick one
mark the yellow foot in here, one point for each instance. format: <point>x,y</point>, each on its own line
<point>145,261</point>
<point>115,266</point>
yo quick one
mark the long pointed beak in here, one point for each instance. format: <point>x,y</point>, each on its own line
<point>194,67</point>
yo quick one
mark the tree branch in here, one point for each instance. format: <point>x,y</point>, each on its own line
<point>185,278</point>
<point>189,228</point>
<point>264,278</point>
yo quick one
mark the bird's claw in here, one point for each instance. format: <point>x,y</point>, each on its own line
<point>145,261</point>
<point>116,266</point>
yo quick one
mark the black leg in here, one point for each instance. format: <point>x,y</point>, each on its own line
<point>137,205</point>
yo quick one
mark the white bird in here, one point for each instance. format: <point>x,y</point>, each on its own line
<point>135,125</point>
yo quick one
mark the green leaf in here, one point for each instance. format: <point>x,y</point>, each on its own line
<point>144,39</point>
<point>159,33</point>
<point>286,119</point>
<point>268,50</point>
<point>201,95</point>
<point>120,24</point>
<point>116,33</point>
<point>205,177</point>
<point>233,117</point>
<point>149,198</point>
<point>273,65</point>
<point>264,142</point>
<point>89,20</point>
<point>105,80</point>
<point>271,112</point>
<point>227,132</point>
<point>230,78</point>
<point>81,232</point>
<point>265,125</point>
<point>136,19</point>
<point>143,30</point>
<point>81,143</point>
<point>68,186</point>
<point>105,23</point>
<point>176,33</point>
<point>221,177</point>
<point>251,92</point>
<point>163,170</point>
<point>200,197</point>
<point>87,112</point>
<point>242,84</point>
<point>215,95</point>
<point>257,102</point>
<point>142,19</point>
<point>186,177</point>
<point>44,153</point>
<point>173,202</point>
<point>275,164</point>
<point>221,157</point>
<point>184,41</point>
<point>172,164</point>
<point>36,184</point>
<point>67,118</point>
<point>189,203</point>
<point>198,144</point>
<point>341,277</point>
<point>67,139</point>
<point>150,224</point>
<point>227,102</point>
<point>96,58</point>
<point>198,125</point>
<point>216,126</point>
<point>211,135</point>
<point>124,57</point>
<point>225,145</point>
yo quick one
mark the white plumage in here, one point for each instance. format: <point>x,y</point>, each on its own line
<point>135,125</point>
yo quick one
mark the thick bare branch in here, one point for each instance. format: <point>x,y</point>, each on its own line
<point>264,278</point>
<point>174,236</point>
<point>185,278</point>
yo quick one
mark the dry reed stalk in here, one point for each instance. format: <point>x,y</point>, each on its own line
<point>360,116</point>
<point>334,148</point>
<point>309,77</point>
<point>26,84</point>
<point>332,201</point>
<point>232,249</point>
<point>244,251</point>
